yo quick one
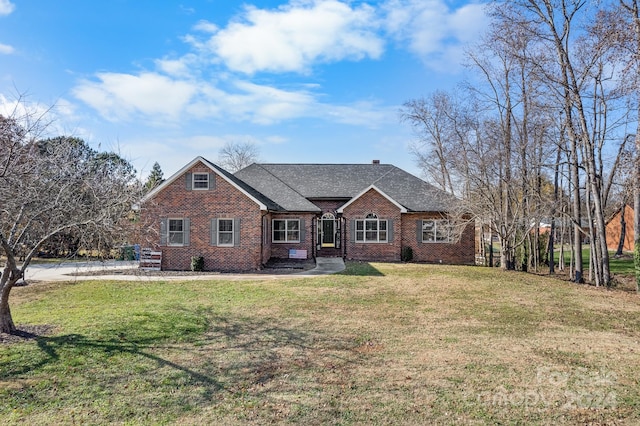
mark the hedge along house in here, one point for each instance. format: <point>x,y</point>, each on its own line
<point>237,222</point>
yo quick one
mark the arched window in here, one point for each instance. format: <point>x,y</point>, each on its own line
<point>328,216</point>
<point>371,229</point>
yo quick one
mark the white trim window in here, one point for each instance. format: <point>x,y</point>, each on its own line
<point>200,181</point>
<point>225,233</point>
<point>176,232</point>
<point>371,229</point>
<point>286,230</point>
<point>436,231</point>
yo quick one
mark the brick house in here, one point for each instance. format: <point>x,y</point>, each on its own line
<point>237,222</point>
<point>624,217</point>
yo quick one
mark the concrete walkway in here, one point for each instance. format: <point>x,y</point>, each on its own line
<point>325,266</point>
<point>66,271</point>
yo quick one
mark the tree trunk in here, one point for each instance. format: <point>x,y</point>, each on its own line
<point>577,217</point>
<point>6,320</point>
<point>633,8</point>
<point>491,261</point>
<point>623,231</point>
<point>636,205</point>
<point>554,208</point>
<point>561,260</point>
<point>636,219</point>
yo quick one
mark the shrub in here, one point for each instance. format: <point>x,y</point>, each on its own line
<point>197,263</point>
<point>406,255</point>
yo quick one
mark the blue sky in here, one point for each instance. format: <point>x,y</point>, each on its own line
<point>306,80</point>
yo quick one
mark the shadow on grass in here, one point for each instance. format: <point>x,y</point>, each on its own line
<point>364,269</point>
<point>233,360</point>
<point>77,344</point>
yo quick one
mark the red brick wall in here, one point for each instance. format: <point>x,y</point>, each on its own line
<point>373,202</point>
<point>614,231</point>
<point>175,201</point>
<point>281,250</point>
<point>329,206</point>
<point>461,251</point>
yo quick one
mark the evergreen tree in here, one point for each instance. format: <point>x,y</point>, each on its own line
<point>156,177</point>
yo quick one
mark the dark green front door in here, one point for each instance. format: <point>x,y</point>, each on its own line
<point>328,233</point>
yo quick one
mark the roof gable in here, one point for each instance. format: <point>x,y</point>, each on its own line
<point>372,187</point>
<point>256,197</point>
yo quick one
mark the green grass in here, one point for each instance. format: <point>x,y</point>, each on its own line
<point>377,344</point>
<point>622,265</point>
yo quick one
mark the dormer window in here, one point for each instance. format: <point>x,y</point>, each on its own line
<point>200,181</point>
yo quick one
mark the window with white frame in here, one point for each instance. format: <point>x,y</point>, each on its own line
<point>176,232</point>
<point>371,229</point>
<point>436,231</point>
<point>200,181</point>
<point>286,230</point>
<point>225,232</point>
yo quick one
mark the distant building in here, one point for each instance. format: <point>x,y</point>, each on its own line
<point>614,229</point>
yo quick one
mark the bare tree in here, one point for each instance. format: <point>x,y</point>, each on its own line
<point>545,115</point>
<point>234,156</point>
<point>52,187</point>
<point>436,122</point>
<point>627,39</point>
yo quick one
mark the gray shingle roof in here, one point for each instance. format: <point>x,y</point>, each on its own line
<point>274,188</point>
<point>290,186</point>
<point>271,205</point>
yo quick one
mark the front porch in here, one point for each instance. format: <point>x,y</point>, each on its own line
<point>329,238</point>
<point>329,252</point>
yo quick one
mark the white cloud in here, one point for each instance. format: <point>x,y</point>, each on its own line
<point>206,26</point>
<point>186,9</point>
<point>211,81</point>
<point>182,67</point>
<point>159,101</point>
<point>365,114</point>
<point>433,30</point>
<point>122,96</point>
<point>6,7</point>
<point>468,22</point>
<point>5,49</point>
<point>295,36</point>
<point>266,105</point>
<point>45,120</point>
<point>276,140</point>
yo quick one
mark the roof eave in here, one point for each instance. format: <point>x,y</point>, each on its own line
<point>213,168</point>
<point>402,208</point>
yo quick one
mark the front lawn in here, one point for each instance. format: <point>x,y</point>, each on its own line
<point>378,344</point>
<point>617,265</point>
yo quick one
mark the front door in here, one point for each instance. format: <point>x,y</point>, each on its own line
<point>328,233</point>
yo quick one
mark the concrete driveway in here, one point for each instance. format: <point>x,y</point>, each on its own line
<point>68,271</point>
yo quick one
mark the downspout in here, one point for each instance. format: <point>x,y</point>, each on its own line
<point>262,237</point>
<point>343,240</point>
<point>314,236</point>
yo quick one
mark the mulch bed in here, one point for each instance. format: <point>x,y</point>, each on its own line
<point>274,266</point>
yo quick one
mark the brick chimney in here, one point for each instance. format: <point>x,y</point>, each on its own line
<point>375,162</point>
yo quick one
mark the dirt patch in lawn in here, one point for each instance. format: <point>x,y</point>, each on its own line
<point>26,333</point>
